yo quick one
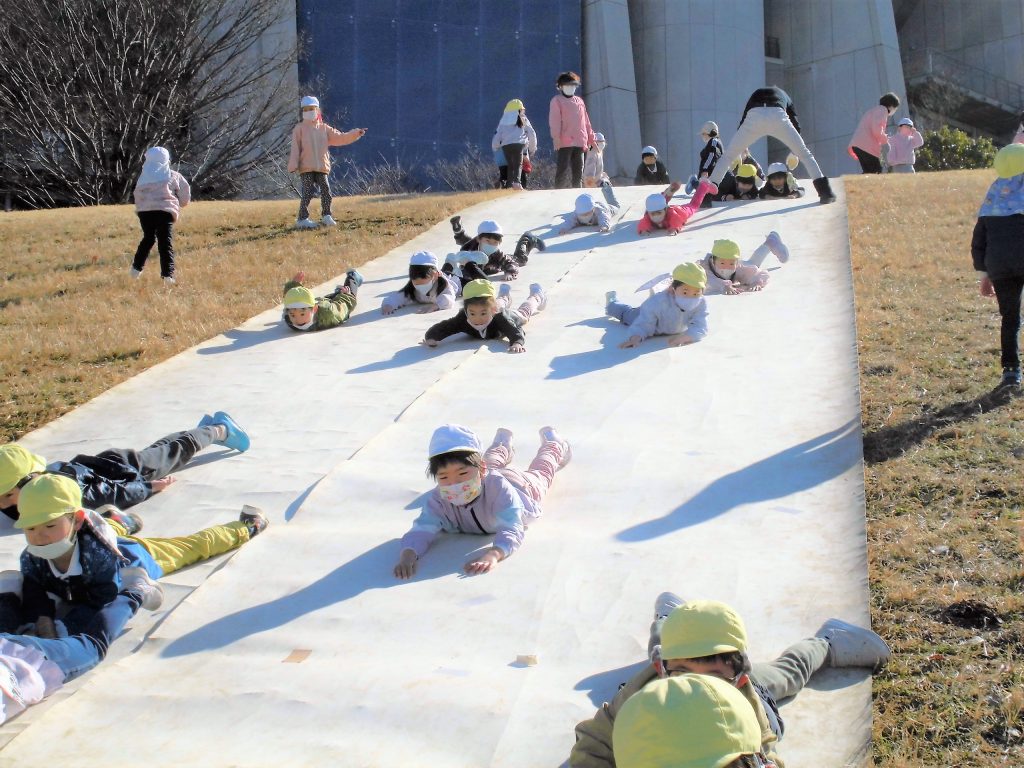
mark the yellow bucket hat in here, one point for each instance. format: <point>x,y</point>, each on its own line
<point>689,721</point>
<point>691,274</point>
<point>1009,161</point>
<point>702,628</point>
<point>299,297</point>
<point>725,249</point>
<point>46,498</point>
<point>746,171</point>
<point>17,463</point>
<point>478,289</point>
<point>514,105</point>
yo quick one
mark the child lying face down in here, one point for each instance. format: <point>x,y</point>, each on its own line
<point>427,287</point>
<point>679,311</point>
<point>671,218</point>
<point>305,312</point>
<point>485,315</point>
<point>728,274</point>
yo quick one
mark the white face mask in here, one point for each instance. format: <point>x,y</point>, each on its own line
<point>569,90</point>
<point>586,219</point>
<point>686,303</point>
<point>309,115</point>
<point>54,550</point>
<point>422,288</point>
<point>488,248</point>
<point>601,145</point>
<point>461,493</point>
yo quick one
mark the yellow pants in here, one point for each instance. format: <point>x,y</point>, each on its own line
<point>178,551</point>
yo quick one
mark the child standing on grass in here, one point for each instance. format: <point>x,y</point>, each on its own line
<point>485,315</point>
<point>160,194</point>
<point>727,274</point>
<point>77,555</point>
<point>122,477</point>
<point>311,157</point>
<point>514,137</point>
<point>481,494</point>
<point>660,215</point>
<point>997,249</point>
<point>902,157</point>
<point>427,287</point>
<point>304,312</point>
<point>679,311</point>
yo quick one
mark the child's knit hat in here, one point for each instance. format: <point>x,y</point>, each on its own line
<point>648,150</point>
<point>478,289</point>
<point>46,498</point>
<point>17,463</point>
<point>452,437</point>
<point>702,628</point>
<point>777,168</point>
<point>655,203</point>
<point>299,297</point>
<point>423,259</point>
<point>489,227</point>
<point>689,721</point>
<point>691,274</point>
<point>725,249</point>
<point>584,203</point>
<point>746,173</point>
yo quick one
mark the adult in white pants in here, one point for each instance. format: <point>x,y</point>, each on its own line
<point>769,112</point>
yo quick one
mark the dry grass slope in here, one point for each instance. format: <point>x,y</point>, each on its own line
<point>944,455</point>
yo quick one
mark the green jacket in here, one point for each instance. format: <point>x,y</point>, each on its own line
<point>593,748</point>
<point>331,311</point>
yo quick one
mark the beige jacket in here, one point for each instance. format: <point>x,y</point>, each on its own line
<point>310,143</point>
<point>593,748</point>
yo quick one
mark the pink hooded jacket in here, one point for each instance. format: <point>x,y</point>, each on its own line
<point>310,142</point>
<point>569,123</point>
<point>870,134</point>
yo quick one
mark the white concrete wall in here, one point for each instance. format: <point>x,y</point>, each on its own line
<point>695,61</point>
<point>840,57</point>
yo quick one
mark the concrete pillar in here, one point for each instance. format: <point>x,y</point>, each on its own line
<point>609,85</point>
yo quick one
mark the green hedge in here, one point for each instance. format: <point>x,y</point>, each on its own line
<point>950,149</point>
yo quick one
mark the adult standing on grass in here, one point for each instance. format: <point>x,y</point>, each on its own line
<point>870,136</point>
<point>570,131</point>
<point>312,139</point>
<point>160,194</point>
<point>997,248</point>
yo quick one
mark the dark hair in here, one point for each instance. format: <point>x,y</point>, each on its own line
<point>890,99</point>
<point>479,300</point>
<point>568,78</point>
<point>743,761</point>
<point>418,272</point>
<point>467,458</point>
<point>738,660</point>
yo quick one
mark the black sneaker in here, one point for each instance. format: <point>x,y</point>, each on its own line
<point>1011,378</point>
<point>456,222</point>
<point>539,244</point>
<point>254,519</point>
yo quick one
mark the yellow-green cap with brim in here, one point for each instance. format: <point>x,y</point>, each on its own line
<point>1009,161</point>
<point>299,297</point>
<point>746,171</point>
<point>725,249</point>
<point>702,628</point>
<point>479,289</point>
<point>514,105</point>
<point>691,274</point>
<point>17,463</point>
<point>46,498</point>
<point>689,721</point>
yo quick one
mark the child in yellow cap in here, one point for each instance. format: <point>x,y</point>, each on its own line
<point>485,315</point>
<point>479,492</point>
<point>691,721</point>
<point>678,312</point>
<point>515,137</point>
<point>729,274</point>
<point>739,185</point>
<point>122,477</point>
<point>77,555</point>
<point>305,312</point>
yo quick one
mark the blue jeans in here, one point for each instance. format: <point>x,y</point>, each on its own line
<point>77,654</point>
<point>622,312</point>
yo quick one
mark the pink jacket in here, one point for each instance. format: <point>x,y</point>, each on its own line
<point>902,146</point>
<point>675,218</point>
<point>746,275</point>
<point>569,123</point>
<point>1019,138</point>
<point>870,134</point>
<point>310,142</point>
<point>170,196</point>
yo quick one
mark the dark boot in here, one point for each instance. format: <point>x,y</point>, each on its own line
<point>521,254</point>
<point>824,190</point>
<point>537,243</point>
<point>461,238</point>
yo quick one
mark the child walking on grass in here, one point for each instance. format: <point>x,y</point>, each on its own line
<point>77,555</point>
<point>427,287</point>
<point>480,493</point>
<point>305,312</point>
<point>160,194</point>
<point>122,477</point>
<point>485,315</point>
<point>678,312</point>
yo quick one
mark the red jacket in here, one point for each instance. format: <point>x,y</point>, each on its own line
<point>675,218</point>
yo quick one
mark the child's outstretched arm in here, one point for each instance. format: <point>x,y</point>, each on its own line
<point>336,138</point>
<point>418,539</point>
<point>441,331</point>
<point>511,331</point>
<point>507,539</point>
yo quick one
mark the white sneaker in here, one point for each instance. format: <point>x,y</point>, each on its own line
<point>137,581</point>
<point>10,581</point>
<point>501,437</point>
<point>610,297</point>
<point>776,246</point>
<point>536,290</point>
<point>665,603</point>
<point>306,223</point>
<point>328,221</point>
<point>170,281</point>
<point>135,273</point>
<point>549,435</point>
<point>853,646</point>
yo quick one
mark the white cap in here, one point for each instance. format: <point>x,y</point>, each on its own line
<point>710,127</point>
<point>489,228</point>
<point>584,203</point>
<point>310,101</point>
<point>655,203</point>
<point>906,121</point>
<point>777,168</point>
<point>599,137</point>
<point>423,259</point>
<point>452,437</point>
<point>649,150</point>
